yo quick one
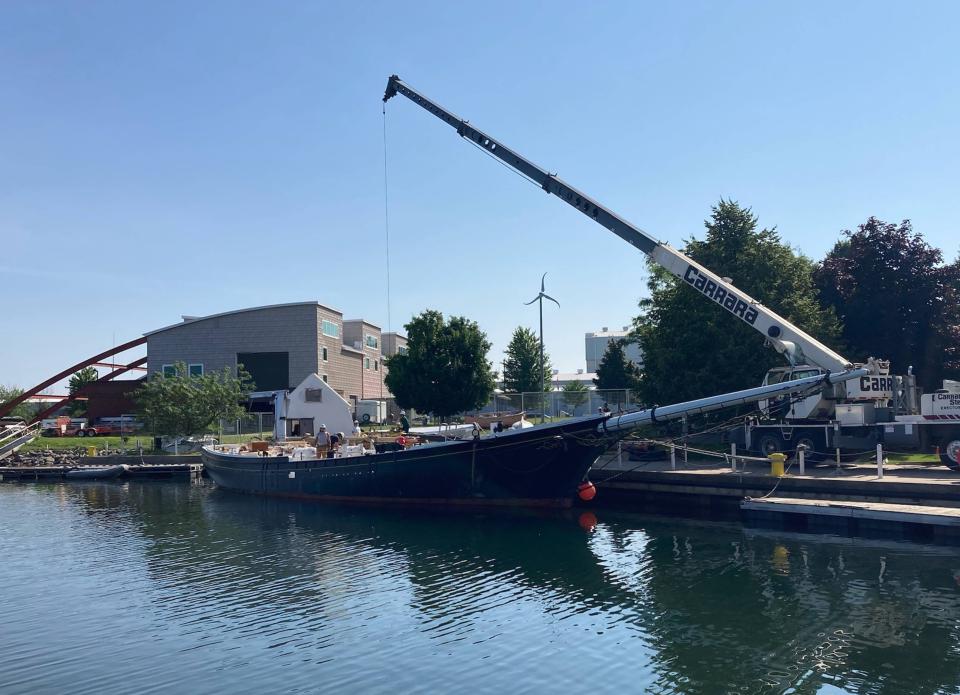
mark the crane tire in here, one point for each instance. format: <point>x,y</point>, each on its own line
<point>768,443</point>
<point>950,454</point>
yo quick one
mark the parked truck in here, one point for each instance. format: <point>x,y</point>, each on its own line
<point>852,416</point>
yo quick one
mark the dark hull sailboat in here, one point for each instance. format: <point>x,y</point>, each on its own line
<point>537,466</point>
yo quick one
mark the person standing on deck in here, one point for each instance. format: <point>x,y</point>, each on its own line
<point>356,429</point>
<point>404,422</point>
<point>323,442</point>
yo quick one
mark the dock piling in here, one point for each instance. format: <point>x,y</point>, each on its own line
<point>673,457</point>
<point>801,459</point>
<point>879,461</point>
<point>733,456</point>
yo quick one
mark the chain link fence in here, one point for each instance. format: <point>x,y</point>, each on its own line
<point>561,404</point>
<point>249,426</point>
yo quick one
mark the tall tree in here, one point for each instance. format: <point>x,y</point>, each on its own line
<point>181,405</point>
<point>445,369</point>
<point>521,364</point>
<point>77,382</point>
<point>615,371</point>
<point>897,299</point>
<point>692,348</point>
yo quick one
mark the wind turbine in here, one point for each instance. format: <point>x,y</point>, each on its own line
<point>539,298</point>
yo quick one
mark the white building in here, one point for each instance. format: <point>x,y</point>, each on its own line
<point>596,346</point>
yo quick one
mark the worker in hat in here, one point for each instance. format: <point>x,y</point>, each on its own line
<point>404,422</point>
<point>323,442</point>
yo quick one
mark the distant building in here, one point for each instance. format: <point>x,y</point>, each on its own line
<point>596,345</point>
<point>559,380</point>
<point>280,345</point>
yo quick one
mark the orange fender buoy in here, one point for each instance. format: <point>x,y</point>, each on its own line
<point>586,491</point>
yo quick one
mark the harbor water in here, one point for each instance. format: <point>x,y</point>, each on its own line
<point>175,587</point>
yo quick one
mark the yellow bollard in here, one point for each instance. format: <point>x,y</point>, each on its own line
<point>91,451</point>
<point>776,464</point>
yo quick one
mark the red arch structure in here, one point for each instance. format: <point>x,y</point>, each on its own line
<point>10,405</point>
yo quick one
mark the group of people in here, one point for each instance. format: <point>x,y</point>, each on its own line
<point>327,443</point>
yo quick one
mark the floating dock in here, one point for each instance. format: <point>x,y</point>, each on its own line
<point>911,521</point>
<point>149,467</point>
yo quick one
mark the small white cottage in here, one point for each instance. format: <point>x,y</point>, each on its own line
<point>299,413</point>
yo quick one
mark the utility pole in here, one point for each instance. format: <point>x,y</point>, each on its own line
<point>543,377</point>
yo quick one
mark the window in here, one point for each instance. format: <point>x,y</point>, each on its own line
<point>313,395</point>
<point>371,341</point>
<point>324,378</point>
<point>376,365</point>
<point>196,370</point>
<point>330,328</point>
<point>366,363</point>
<point>169,370</point>
<point>402,350</point>
<point>324,354</point>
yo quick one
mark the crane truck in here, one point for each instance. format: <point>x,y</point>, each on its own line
<point>852,415</point>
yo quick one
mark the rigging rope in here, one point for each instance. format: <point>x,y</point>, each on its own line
<point>386,213</point>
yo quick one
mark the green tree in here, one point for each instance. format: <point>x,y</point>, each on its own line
<point>445,369</point>
<point>521,364</point>
<point>8,393</point>
<point>693,348</point>
<point>574,394</point>
<point>615,371</point>
<point>181,405</point>
<point>897,299</point>
<point>77,382</point>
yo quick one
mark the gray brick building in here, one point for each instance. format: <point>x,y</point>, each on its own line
<point>280,345</point>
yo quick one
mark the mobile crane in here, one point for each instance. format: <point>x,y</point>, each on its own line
<point>853,414</point>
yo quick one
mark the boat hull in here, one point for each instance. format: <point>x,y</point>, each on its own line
<point>539,466</point>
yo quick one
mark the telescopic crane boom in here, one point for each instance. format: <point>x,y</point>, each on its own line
<point>798,347</point>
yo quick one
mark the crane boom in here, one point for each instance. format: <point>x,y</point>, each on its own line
<point>786,338</point>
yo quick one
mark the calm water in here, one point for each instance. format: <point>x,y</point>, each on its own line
<point>160,587</point>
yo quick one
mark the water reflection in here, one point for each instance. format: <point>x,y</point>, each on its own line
<point>401,600</point>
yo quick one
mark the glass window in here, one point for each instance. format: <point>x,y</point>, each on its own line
<point>324,354</point>
<point>366,363</point>
<point>330,328</point>
<point>169,370</point>
<point>402,350</point>
<point>324,378</point>
<point>371,341</point>
<point>376,365</point>
<point>196,370</point>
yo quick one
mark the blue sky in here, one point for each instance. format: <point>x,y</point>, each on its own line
<point>159,159</point>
